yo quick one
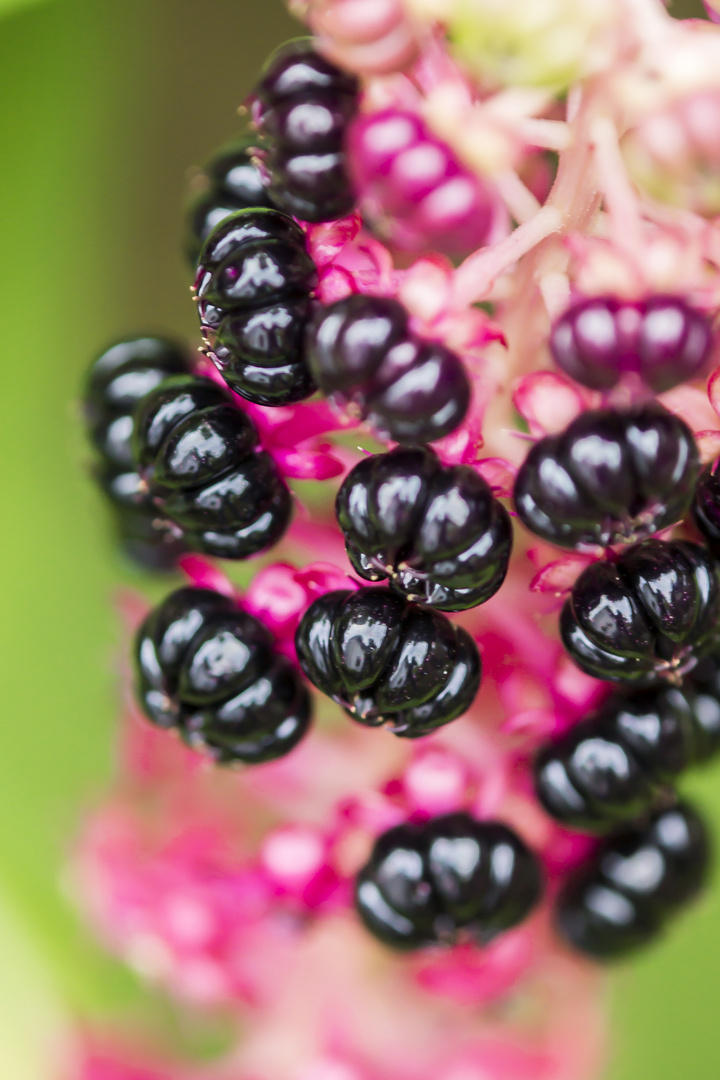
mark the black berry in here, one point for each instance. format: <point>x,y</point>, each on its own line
<point>304,105</point>
<point>610,476</point>
<point>706,506</point>
<point>210,671</point>
<point>648,615</point>
<point>436,532</point>
<point>199,458</point>
<point>633,886</point>
<point>118,381</point>
<point>362,350</point>
<point>233,183</point>
<point>387,661</point>
<point>451,878</point>
<point>662,339</point>
<point>617,765</point>
<point>254,285</point>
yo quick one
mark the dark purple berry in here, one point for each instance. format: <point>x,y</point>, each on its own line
<point>118,381</point>
<point>210,671</point>
<point>448,879</point>
<point>362,350</point>
<point>199,458</point>
<point>635,884</point>
<point>304,105</point>
<point>706,506</point>
<point>616,766</point>
<point>388,662</point>
<point>233,183</point>
<point>647,616</point>
<point>609,477</point>
<point>662,339</point>
<point>254,283</point>
<point>435,531</point>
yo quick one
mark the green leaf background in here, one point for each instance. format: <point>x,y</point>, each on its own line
<point>104,108</point>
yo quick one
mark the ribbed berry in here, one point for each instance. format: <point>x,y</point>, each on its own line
<point>362,350</point>
<point>388,662</point>
<point>200,459</point>
<point>706,506</point>
<point>662,339</point>
<point>435,531</point>
<point>451,878</point>
<point>253,283</point>
<point>233,183</point>
<point>210,671</point>
<point>304,104</point>
<point>117,382</point>
<point>609,477</point>
<point>635,884</point>
<point>649,615</point>
<point>616,766</point>
<point>412,188</point>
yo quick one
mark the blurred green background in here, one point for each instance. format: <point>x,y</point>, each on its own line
<point>104,108</point>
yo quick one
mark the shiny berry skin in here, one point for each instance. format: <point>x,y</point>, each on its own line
<point>254,285</point>
<point>118,380</point>
<point>637,881</point>
<point>706,506</point>
<point>650,614</point>
<point>451,878</point>
<point>435,531</point>
<point>616,766</point>
<point>362,350</point>
<point>200,459</point>
<point>210,671</point>
<point>233,183</point>
<point>662,339</point>
<point>412,188</point>
<point>303,106</point>
<point>609,477</point>
<point>387,661</point>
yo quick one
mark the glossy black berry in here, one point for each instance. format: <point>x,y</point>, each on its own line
<point>362,350</point>
<point>448,879</point>
<point>303,107</point>
<point>118,381</point>
<point>435,531</point>
<point>662,339</point>
<point>706,506</point>
<point>387,661</point>
<point>617,765</point>
<point>637,881</point>
<point>210,671</point>
<point>233,182</point>
<point>254,285</point>
<point>648,615</point>
<point>609,477</point>
<point>199,458</point>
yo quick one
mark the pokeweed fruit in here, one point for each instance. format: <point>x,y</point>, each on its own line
<point>362,351</point>
<point>387,661</point>
<point>253,287</point>
<point>210,671</point>
<point>610,476</point>
<point>200,458</point>
<point>648,616</point>
<point>446,879</point>
<point>636,883</point>
<point>437,532</point>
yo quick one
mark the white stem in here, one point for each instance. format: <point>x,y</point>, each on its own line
<point>621,201</point>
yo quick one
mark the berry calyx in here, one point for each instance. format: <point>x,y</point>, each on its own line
<point>610,477</point>
<point>388,662</point>
<point>649,615</point>
<point>435,531</point>
<point>209,670</point>
<point>662,339</point>
<point>634,885</point>
<point>363,351</point>
<point>254,284</point>
<point>448,879</point>
<point>304,104</point>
